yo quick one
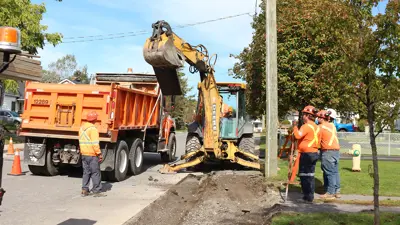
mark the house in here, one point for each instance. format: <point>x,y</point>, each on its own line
<point>67,81</point>
<point>15,101</point>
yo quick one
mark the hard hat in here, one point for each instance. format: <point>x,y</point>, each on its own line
<point>230,109</point>
<point>333,114</point>
<point>310,110</point>
<point>91,116</point>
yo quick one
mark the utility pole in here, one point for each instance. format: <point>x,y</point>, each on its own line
<point>271,90</point>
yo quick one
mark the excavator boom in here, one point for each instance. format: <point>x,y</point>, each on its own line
<point>167,53</point>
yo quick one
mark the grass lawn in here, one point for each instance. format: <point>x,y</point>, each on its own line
<point>360,183</point>
<point>334,218</point>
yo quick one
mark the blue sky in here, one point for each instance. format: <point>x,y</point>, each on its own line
<point>75,18</point>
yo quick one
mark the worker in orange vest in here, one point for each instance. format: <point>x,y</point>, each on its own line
<point>308,141</point>
<point>91,156</point>
<point>329,156</point>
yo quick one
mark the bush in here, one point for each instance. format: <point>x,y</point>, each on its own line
<point>361,124</point>
<point>286,122</point>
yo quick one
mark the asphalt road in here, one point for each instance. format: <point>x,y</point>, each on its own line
<point>40,200</point>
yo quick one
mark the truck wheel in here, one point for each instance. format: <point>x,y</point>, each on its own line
<point>136,157</point>
<point>246,144</point>
<point>169,156</point>
<point>49,168</point>
<point>121,163</point>
<point>36,170</point>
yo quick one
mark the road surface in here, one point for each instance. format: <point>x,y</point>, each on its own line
<point>40,200</point>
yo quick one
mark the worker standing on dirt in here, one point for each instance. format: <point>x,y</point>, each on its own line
<point>330,154</point>
<point>91,155</point>
<point>309,139</point>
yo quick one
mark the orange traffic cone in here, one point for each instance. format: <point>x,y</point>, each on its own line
<point>10,150</point>
<point>16,167</point>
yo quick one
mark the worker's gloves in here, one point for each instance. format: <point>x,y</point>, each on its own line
<point>100,157</point>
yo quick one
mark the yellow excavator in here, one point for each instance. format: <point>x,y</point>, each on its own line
<point>209,137</point>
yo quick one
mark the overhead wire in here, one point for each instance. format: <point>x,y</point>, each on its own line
<point>140,32</point>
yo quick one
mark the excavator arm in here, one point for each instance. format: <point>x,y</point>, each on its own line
<point>167,53</point>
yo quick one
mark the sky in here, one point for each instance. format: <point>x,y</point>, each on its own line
<point>77,18</point>
<point>82,18</point>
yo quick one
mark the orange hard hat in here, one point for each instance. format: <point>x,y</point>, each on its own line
<point>91,116</point>
<point>310,110</point>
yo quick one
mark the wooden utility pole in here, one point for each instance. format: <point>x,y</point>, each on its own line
<point>272,90</point>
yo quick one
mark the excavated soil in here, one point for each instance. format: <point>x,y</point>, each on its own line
<point>215,198</point>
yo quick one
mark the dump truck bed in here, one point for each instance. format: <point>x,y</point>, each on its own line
<point>59,110</point>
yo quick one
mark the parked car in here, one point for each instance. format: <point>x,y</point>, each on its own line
<point>10,118</point>
<point>345,127</point>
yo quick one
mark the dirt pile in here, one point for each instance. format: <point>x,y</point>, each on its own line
<point>216,198</point>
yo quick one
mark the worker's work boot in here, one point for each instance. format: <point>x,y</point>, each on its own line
<point>327,196</point>
<point>84,193</point>
<point>337,195</point>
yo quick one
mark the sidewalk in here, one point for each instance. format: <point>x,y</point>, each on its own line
<point>19,145</point>
<point>292,205</point>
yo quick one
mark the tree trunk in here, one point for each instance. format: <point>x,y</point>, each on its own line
<point>371,112</point>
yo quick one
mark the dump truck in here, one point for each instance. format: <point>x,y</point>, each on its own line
<point>133,118</point>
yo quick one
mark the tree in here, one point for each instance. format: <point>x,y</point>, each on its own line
<point>65,68</point>
<point>27,17</point>
<point>371,68</point>
<point>184,104</point>
<point>304,56</point>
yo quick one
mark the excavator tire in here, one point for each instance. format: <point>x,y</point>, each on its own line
<point>193,144</point>
<point>247,144</point>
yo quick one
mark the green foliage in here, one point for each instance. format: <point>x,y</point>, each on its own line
<point>304,57</point>
<point>184,104</point>
<point>361,124</point>
<point>11,86</point>
<point>286,122</point>
<point>65,68</point>
<point>27,17</point>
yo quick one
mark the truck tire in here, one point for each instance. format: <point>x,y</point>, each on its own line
<point>36,170</point>
<point>136,157</point>
<point>121,163</point>
<point>246,144</point>
<point>169,156</point>
<point>49,168</point>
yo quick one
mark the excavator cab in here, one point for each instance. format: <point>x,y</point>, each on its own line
<point>233,122</point>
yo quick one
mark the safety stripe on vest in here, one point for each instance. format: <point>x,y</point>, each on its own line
<point>333,135</point>
<point>89,142</point>
<point>306,174</point>
<point>84,133</point>
<point>315,136</point>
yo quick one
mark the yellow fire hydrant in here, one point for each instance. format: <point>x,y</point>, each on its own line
<point>356,153</point>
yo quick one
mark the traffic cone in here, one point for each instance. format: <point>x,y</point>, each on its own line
<point>16,167</point>
<point>10,150</point>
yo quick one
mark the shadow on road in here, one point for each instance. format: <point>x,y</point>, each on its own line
<point>78,222</point>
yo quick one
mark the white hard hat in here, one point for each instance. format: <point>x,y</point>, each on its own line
<point>333,113</point>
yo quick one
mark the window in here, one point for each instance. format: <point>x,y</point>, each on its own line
<point>13,106</point>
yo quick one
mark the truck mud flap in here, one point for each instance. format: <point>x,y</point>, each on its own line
<point>35,154</point>
<point>108,160</point>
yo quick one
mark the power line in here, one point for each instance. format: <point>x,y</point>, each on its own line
<point>141,32</point>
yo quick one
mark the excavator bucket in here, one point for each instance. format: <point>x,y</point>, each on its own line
<point>165,59</point>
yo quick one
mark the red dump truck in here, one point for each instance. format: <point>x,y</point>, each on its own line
<point>132,119</point>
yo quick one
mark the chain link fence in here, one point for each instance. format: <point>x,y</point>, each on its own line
<point>388,144</point>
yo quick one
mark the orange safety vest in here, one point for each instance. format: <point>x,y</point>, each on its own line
<point>329,138</point>
<point>309,137</point>
<point>89,140</point>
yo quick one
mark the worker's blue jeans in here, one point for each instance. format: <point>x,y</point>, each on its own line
<point>330,168</point>
<point>307,174</point>
<point>91,169</point>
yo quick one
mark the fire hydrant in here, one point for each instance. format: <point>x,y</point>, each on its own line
<point>356,153</point>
